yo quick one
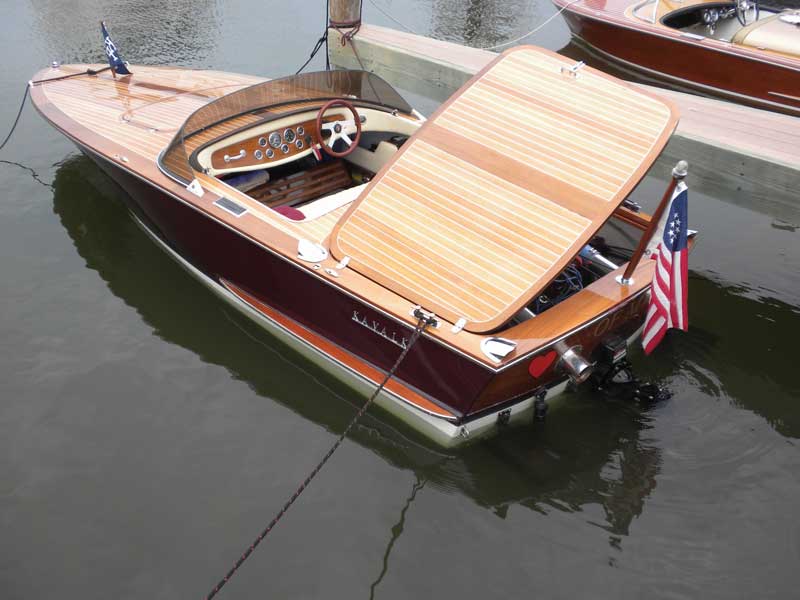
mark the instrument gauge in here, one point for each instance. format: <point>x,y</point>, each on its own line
<point>270,153</point>
<point>289,136</point>
<point>258,154</point>
<point>262,141</point>
<point>299,144</point>
<point>285,148</point>
<point>301,131</point>
<point>275,139</point>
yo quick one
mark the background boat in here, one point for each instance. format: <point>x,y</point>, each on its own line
<point>668,42</point>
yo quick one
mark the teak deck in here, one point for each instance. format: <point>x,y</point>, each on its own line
<point>498,191</point>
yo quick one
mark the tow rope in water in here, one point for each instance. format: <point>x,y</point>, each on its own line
<point>424,320</point>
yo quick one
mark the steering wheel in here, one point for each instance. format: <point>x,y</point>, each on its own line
<point>742,7</point>
<point>339,129</point>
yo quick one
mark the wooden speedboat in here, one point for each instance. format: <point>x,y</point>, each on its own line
<point>736,50</point>
<point>330,212</point>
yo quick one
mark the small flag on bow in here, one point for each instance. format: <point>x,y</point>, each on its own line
<point>114,59</point>
<point>668,299</point>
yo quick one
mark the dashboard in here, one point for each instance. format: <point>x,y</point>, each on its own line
<point>290,137</point>
<point>269,147</point>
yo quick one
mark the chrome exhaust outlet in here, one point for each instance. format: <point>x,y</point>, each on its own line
<point>577,367</point>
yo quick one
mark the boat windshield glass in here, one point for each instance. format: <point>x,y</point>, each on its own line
<point>265,97</point>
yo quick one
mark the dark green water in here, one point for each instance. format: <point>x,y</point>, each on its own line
<point>147,433</point>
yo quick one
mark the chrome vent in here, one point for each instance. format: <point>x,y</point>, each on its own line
<point>237,210</point>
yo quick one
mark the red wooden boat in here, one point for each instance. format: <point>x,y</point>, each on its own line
<point>736,50</point>
<point>328,210</point>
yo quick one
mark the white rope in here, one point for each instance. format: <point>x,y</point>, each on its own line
<point>391,18</point>
<point>506,43</point>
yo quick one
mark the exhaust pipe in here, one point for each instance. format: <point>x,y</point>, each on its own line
<point>576,366</point>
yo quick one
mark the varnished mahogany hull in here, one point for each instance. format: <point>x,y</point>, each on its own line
<point>344,321</point>
<point>734,74</point>
<point>220,253</point>
<point>460,385</point>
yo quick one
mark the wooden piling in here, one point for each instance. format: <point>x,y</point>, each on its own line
<point>344,13</point>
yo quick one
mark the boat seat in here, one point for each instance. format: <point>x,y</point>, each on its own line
<point>323,206</point>
<point>770,33</point>
<point>320,180</point>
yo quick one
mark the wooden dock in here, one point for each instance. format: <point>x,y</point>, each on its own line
<point>745,151</point>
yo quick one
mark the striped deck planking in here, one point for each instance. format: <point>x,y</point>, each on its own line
<point>142,113</point>
<point>493,197</point>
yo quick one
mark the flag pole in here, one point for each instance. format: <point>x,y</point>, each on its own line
<point>678,174</point>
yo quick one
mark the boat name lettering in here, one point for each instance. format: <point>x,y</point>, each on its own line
<point>620,316</point>
<point>380,329</point>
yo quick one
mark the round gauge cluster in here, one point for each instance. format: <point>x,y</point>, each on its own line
<point>282,141</point>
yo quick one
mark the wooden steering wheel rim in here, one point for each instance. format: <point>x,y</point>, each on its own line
<point>345,104</point>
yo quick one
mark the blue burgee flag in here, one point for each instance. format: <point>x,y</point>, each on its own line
<point>114,59</point>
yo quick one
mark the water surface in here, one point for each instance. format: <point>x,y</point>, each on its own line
<point>147,432</point>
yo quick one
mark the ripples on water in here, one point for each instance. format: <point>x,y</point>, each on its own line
<point>146,431</point>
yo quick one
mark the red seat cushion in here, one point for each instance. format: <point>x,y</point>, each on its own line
<point>290,212</point>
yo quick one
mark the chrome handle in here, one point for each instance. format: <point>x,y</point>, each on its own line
<point>573,70</point>
<point>241,154</point>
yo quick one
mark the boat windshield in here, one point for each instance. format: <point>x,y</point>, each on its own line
<point>262,97</point>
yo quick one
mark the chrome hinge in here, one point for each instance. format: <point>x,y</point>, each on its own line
<point>573,70</point>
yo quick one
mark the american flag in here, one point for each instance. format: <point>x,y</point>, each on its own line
<point>669,291</point>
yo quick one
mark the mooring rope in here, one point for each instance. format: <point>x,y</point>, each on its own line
<point>322,41</point>
<point>496,46</point>
<point>424,320</point>
<point>30,84</point>
<point>19,114</point>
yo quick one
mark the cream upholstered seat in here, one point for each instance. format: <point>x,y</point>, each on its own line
<point>324,205</point>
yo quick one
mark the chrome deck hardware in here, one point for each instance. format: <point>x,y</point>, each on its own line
<point>310,251</point>
<point>241,155</point>
<point>573,70</point>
